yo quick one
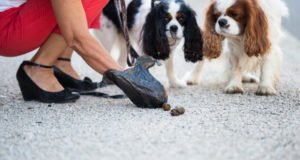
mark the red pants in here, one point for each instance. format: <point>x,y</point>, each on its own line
<point>27,27</point>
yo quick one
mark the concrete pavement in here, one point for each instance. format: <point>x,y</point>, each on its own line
<point>216,126</point>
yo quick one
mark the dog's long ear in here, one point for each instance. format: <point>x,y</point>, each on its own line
<point>256,40</point>
<point>193,38</point>
<point>212,45</point>
<point>154,38</point>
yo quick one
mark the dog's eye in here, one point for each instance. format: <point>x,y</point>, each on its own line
<point>180,20</point>
<point>233,14</point>
<point>217,14</point>
<point>168,18</point>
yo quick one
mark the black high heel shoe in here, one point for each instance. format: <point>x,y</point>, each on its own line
<point>31,91</point>
<point>69,82</point>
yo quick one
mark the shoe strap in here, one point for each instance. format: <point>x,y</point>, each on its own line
<point>103,95</point>
<point>37,65</point>
<point>64,59</point>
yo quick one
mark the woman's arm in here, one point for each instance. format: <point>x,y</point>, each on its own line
<point>73,25</point>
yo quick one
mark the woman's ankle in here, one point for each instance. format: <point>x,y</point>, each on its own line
<point>67,68</point>
<point>44,78</point>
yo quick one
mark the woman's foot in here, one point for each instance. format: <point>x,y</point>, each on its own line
<point>37,82</point>
<point>69,78</point>
<point>44,78</point>
<point>66,67</point>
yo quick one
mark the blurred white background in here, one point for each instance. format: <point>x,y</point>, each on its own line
<point>292,24</point>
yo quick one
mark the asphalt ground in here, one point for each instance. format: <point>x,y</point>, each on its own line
<point>216,126</point>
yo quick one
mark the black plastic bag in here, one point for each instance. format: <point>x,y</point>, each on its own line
<point>139,85</point>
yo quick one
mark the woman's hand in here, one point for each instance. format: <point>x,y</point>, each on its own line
<point>72,21</point>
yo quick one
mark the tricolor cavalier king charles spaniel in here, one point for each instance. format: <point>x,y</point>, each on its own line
<point>253,31</point>
<point>160,31</point>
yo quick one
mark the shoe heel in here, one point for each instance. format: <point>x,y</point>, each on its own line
<point>27,93</point>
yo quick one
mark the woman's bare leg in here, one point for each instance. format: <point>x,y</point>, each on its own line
<point>66,66</point>
<point>95,55</point>
<point>47,55</point>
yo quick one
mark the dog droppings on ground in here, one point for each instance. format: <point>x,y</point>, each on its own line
<point>177,111</point>
<point>166,107</point>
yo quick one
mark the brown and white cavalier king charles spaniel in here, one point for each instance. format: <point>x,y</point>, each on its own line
<point>252,29</point>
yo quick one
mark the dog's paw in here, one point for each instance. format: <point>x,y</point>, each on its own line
<point>265,91</point>
<point>232,89</point>
<point>250,79</point>
<point>193,81</point>
<point>178,84</point>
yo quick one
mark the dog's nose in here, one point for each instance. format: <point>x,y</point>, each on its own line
<point>223,22</point>
<point>174,28</point>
